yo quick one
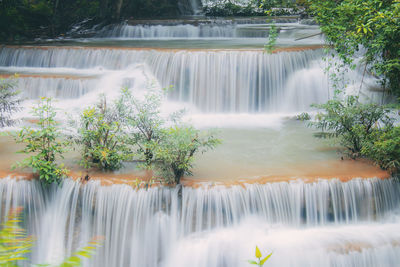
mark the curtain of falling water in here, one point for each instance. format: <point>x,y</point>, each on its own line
<point>213,81</point>
<point>157,228</point>
<point>181,31</point>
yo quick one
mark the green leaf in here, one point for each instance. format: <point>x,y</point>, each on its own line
<point>258,252</point>
<point>265,259</point>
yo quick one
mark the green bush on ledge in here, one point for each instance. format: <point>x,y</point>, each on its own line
<point>43,142</point>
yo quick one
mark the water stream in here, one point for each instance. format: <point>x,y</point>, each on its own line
<point>224,79</point>
<point>325,223</point>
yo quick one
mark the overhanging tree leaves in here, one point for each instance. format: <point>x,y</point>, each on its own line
<point>350,25</point>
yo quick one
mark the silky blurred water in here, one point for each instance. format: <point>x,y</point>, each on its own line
<point>224,80</point>
<point>325,223</point>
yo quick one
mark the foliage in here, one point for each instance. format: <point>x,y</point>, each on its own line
<point>143,120</point>
<point>174,154</point>
<point>303,117</point>
<point>351,121</point>
<point>137,184</point>
<point>227,8</point>
<point>9,103</point>
<point>253,8</point>
<point>44,143</point>
<point>384,148</point>
<point>22,18</point>
<point>373,25</point>
<point>169,150</point>
<point>101,133</point>
<point>276,8</point>
<point>27,19</point>
<point>14,243</point>
<point>272,37</point>
<point>270,4</point>
<point>134,128</point>
<point>150,8</point>
<point>258,255</point>
<point>85,252</point>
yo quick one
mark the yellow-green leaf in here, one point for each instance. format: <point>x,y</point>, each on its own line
<point>258,253</point>
<point>265,259</point>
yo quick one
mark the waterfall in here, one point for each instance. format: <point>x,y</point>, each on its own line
<point>320,223</point>
<point>324,223</point>
<point>62,88</point>
<point>213,29</point>
<point>212,80</point>
<point>184,31</point>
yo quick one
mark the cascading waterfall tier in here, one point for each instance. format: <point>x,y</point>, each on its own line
<point>182,31</point>
<point>61,88</point>
<point>212,30</point>
<point>211,80</point>
<point>330,223</point>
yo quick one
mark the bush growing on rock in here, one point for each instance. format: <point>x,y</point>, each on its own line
<point>175,153</point>
<point>44,142</point>
<point>169,150</point>
<point>102,137</point>
<point>144,123</point>
<point>384,149</point>
<point>134,129</point>
<point>365,130</point>
<point>351,121</point>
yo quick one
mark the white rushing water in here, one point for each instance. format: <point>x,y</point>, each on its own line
<point>257,29</point>
<point>173,31</point>
<point>219,88</point>
<point>325,223</point>
<point>61,88</point>
<point>322,223</point>
<point>212,81</point>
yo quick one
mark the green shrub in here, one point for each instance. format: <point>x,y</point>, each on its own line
<point>384,148</point>
<point>366,130</point>
<point>169,151</point>
<point>272,38</point>
<point>174,154</point>
<point>135,129</point>
<point>101,133</point>
<point>351,122</point>
<point>303,117</point>
<point>44,143</point>
<point>143,121</point>
<point>224,9</point>
<point>9,103</point>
